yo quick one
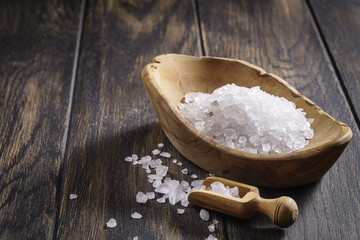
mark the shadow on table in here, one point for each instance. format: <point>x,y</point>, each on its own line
<point>110,185</point>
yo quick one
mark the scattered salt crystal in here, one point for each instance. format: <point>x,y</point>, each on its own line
<point>141,197</point>
<point>165,155</point>
<point>179,163</point>
<point>136,238</point>
<point>135,162</point>
<point>204,215</point>
<point>174,160</point>
<point>184,202</point>
<point>211,175</point>
<point>250,120</point>
<point>72,196</point>
<point>129,159</point>
<point>215,221</point>
<point>194,176</point>
<point>196,183</point>
<point>143,160</point>
<point>184,171</point>
<point>156,151</point>
<point>211,228</point>
<point>160,145</point>
<point>211,237</point>
<point>150,195</point>
<point>180,211</point>
<point>161,200</point>
<point>161,170</point>
<point>134,157</point>
<point>148,171</point>
<point>136,215</point>
<point>111,223</point>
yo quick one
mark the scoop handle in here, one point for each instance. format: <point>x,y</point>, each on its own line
<point>283,210</point>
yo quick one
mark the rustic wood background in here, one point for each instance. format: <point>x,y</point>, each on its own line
<point>72,107</point>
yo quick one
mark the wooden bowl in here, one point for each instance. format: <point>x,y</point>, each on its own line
<point>169,77</point>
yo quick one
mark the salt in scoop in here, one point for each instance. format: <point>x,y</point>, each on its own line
<point>169,77</point>
<point>283,211</point>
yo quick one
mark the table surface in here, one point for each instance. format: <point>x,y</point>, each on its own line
<point>73,107</point>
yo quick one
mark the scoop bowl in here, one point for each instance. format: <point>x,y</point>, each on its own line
<point>169,77</point>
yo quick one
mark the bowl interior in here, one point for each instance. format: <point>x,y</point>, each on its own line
<point>179,74</point>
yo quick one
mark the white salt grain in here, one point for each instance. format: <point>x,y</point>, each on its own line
<point>156,151</point>
<point>211,228</point>
<point>136,238</point>
<point>180,211</point>
<point>141,197</point>
<point>211,237</point>
<point>135,162</point>
<point>161,200</point>
<point>174,160</point>
<point>72,196</point>
<point>204,215</point>
<point>194,176</point>
<point>160,145</point>
<point>150,195</point>
<point>215,221</point>
<point>136,215</point>
<point>165,155</point>
<point>111,223</point>
<point>248,119</point>
<point>134,157</point>
<point>184,171</point>
<point>179,163</point>
<point>128,159</point>
<point>211,175</point>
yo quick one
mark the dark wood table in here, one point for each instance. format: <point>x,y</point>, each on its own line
<point>72,107</point>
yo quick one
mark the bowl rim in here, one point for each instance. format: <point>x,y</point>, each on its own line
<point>149,76</point>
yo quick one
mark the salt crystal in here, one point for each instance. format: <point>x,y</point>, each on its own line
<point>129,159</point>
<point>150,195</point>
<point>160,145</point>
<point>180,211</point>
<point>211,228</point>
<point>219,187</point>
<point>184,171</point>
<point>156,151</point>
<point>161,170</point>
<point>165,155</point>
<point>141,197</point>
<point>148,171</point>
<point>136,215</point>
<point>215,221</point>
<point>196,183</point>
<point>161,200</point>
<point>136,238</point>
<point>134,157</point>
<point>111,223</point>
<point>72,196</point>
<point>211,175</point>
<point>248,119</point>
<point>194,176</point>
<point>204,215</point>
<point>211,237</point>
<point>135,162</point>
<point>184,202</point>
<point>179,163</point>
<point>174,160</point>
<point>143,160</point>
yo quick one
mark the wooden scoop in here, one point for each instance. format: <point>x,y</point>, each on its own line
<point>283,210</point>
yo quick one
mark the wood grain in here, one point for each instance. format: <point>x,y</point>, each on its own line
<point>280,37</point>
<point>339,23</point>
<point>37,40</point>
<point>112,118</point>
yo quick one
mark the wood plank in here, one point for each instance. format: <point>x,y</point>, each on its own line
<point>339,23</point>
<point>37,40</point>
<point>112,118</point>
<point>280,37</point>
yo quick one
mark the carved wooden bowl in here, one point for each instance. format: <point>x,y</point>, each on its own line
<point>169,77</point>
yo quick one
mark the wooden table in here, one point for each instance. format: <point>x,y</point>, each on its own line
<point>72,107</point>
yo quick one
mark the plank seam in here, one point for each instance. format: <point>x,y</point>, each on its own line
<point>64,142</point>
<point>200,40</point>
<point>325,45</point>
